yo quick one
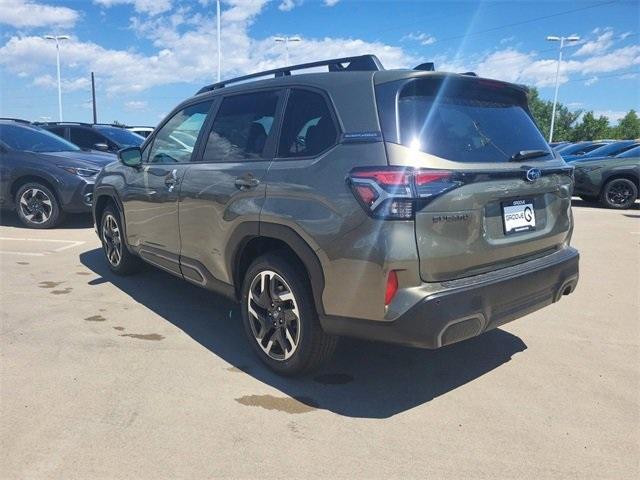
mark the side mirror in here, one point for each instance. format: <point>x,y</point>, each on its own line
<point>103,147</point>
<point>130,156</point>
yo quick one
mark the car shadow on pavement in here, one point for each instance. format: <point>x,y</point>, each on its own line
<point>71,221</point>
<point>363,379</point>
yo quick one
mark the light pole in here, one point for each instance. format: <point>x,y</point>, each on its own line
<point>562,40</point>
<point>286,41</point>
<point>219,49</point>
<point>58,38</point>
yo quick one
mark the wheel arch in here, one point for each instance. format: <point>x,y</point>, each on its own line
<point>29,178</point>
<point>253,240</point>
<point>102,197</point>
<point>616,175</point>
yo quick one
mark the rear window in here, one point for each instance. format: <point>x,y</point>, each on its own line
<point>470,121</point>
<point>23,138</point>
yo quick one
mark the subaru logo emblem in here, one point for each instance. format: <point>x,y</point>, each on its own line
<point>533,174</point>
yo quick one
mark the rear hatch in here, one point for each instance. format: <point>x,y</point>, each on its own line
<point>490,191</point>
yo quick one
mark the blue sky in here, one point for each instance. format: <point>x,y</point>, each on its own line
<point>148,55</point>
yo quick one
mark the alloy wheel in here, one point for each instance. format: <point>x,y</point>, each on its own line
<point>36,206</point>
<point>111,239</point>
<point>619,193</point>
<point>274,316</point>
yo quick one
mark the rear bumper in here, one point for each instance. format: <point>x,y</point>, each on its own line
<point>470,306</point>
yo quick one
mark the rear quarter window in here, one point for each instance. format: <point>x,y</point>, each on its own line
<point>308,128</point>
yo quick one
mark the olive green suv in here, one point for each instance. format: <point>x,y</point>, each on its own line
<point>406,206</point>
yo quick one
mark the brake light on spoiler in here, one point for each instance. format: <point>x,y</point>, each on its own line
<point>395,193</point>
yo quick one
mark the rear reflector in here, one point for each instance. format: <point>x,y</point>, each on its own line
<point>392,287</point>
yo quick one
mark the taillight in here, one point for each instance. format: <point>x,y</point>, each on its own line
<point>394,193</point>
<point>392,287</point>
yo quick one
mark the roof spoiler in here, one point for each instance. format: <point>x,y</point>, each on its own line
<point>426,67</point>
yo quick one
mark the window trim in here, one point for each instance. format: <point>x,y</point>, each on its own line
<point>274,134</point>
<point>332,113</point>
<point>148,143</point>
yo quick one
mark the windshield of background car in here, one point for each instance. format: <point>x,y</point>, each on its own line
<point>580,148</point>
<point>611,149</point>
<point>466,121</point>
<point>634,152</point>
<point>29,139</point>
<point>121,136</point>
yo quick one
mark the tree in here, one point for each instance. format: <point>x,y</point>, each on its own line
<point>628,128</point>
<point>591,128</point>
<point>542,110</point>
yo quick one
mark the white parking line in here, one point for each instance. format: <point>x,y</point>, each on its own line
<point>69,244</point>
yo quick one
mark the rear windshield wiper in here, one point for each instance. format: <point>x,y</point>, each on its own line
<point>528,154</point>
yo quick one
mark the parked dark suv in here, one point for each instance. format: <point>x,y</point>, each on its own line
<point>406,206</point>
<point>88,136</point>
<point>43,176</point>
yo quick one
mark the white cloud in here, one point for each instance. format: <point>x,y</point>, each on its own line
<point>591,81</point>
<point>152,7</point>
<point>507,40</point>
<point>330,3</point>
<point>31,14</point>
<point>135,105</point>
<point>67,85</point>
<point>601,44</point>
<point>288,5</point>
<point>185,45</point>
<point>513,65</point>
<point>614,116</point>
<point>423,38</point>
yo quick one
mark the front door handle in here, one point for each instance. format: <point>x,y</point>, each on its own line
<point>171,179</point>
<point>247,182</point>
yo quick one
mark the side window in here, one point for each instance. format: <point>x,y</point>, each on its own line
<point>241,127</point>
<point>175,141</point>
<point>308,128</point>
<point>84,137</point>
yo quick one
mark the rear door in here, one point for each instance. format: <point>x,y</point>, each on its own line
<point>507,199</point>
<point>224,187</point>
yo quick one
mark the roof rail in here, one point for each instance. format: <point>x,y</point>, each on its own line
<point>364,63</point>
<point>62,123</point>
<point>19,120</point>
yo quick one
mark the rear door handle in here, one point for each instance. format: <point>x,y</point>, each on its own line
<point>247,182</point>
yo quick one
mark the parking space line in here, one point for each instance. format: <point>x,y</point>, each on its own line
<point>29,254</point>
<point>69,244</point>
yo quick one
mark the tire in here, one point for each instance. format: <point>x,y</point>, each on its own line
<point>619,193</point>
<point>118,256</point>
<point>306,346</point>
<point>37,206</point>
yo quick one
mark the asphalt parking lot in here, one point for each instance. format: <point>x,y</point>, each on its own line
<point>151,377</point>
